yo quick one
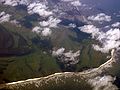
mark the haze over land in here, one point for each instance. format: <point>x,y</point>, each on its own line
<point>43,37</point>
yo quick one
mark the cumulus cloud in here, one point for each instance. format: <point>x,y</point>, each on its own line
<point>46,32</point>
<point>45,26</point>
<point>42,31</point>
<point>39,8</point>
<point>51,22</point>
<point>117,24</point>
<point>73,2</point>
<point>76,3</point>
<point>14,2</point>
<point>109,39</point>
<point>4,17</point>
<point>100,17</point>
<point>72,25</point>
<point>15,22</point>
<point>91,29</point>
<point>36,29</point>
<point>104,82</point>
<point>60,51</point>
<point>68,58</point>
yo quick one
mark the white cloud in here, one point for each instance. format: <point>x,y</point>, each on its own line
<point>66,0</point>
<point>42,31</point>
<point>60,51</point>
<point>72,25</point>
<point>68,58</point>
<point>71,57</point>
<point>10,2</point>
<point>14,2</point>
<point>15,22</point>
<point>51,22</point>
<point>100,17</point>
<point>39,8</point>
<point>4,17</point>
<point>76,3</point>
<point>36,29</point>
<point>45,26</point>
<point>44,23</point>
<point>104,82</point>
<point>91,29</point>
<point>109,39</point>
<point>117,24</point>
<point>46,32</point>
<point>73,2</point>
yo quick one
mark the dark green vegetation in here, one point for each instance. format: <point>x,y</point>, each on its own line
<point>12,43</point>
<point>23,64</point>
<point>32,58</point>
<point>24,54</point>
<point>90,58</point>
<point>69,39</point>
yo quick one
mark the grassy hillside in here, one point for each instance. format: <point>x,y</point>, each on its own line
<point>22,64</point>
<point>31,57</point>
<point>72,39</point>
<point>24,54</point>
